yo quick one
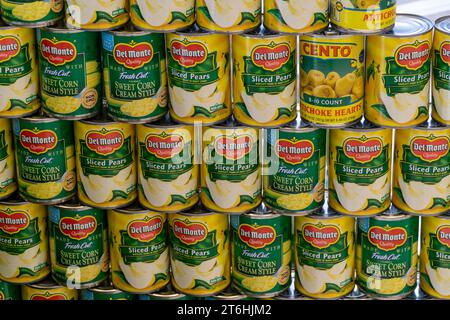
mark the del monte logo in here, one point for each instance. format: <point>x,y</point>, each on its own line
<point>78,228</point>
<point>48,296</point>
<point>257,237</point>
<point>293,151</point>
<point>104,142</point>
<point>233,147</point>
<point>164,146</point>
<point>445,52</point>
<point>271,57</point>
<point>320,236</point>
<point>12,222</point>
<point>188,54</point>
<point>133,55</point>
<point>443,235</point>
<point>38,141</point>
<point>430,148</point>
<point>413,56</point>
<point>387,238</point>
<point>189,232</point>
<point>9,48</point>
<point>57,52</point>
<point>363,149</point>
<point>146,229</point>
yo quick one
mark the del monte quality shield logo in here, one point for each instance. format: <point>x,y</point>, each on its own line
<point>233,147</point>
<point>386,238</point>
<point>38,141</point>
<point>413,56</point>
<point>189,232</point>
<point>133,55</point>
<point>188,54</point>
<point>12,222</point>
<point>271,57</point>
<point>430,148</point>
<point>145,230</point>
<point>9,48</point>
<point>294,152</point>
<point>104,142</point>
<point>257,237</point>
<point>48,296</point>
<point>78,228</point>
<point>445,52</point>
<point>363,149</point>
<point>164,146</point>
<point>443,235</point>
<point>321,236</point>
<point>58,53</point>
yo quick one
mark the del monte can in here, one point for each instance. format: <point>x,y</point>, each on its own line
<point>9,291</point>
<point>8,182</point>
<point>32,14</point>
<point>48,290</point>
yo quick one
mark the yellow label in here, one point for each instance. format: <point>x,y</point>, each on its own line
<point>264,80</point>
<point>106,167</point>
<point>441,77</point>
<point>228,16</point>
<point>363,15</point>
<point>302,16</point>
<point>168,170</point>
<point>360,171</point>
<point>59,293</point>
<point>8,182</point>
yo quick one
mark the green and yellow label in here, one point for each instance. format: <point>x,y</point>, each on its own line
<point>9,291</point>
<point>441,77</point>
<point>32,13</point>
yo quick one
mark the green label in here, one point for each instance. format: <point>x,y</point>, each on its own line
<point>439,248</point>
<point>9,291</point>
<point>269,68</point>
<point>15,60</point>
<point>9,14</point>
<point>441,67</point>
<point>3,146</point>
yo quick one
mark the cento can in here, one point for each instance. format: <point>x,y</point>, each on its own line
<point>199,252</point>
<point>441,71</point>
<point>421,169</point>
<point>32,14</point>
<point>134,75</point>
<point>71,86</point>
<point>363,16</point>
<point>45,159</point>
<point>332,78</point>
<point>106,166</point>
<point>265,78</point>
<point>295,16</point>
<point>324,255</point>
<point>19,78</point>
<point>96,15</point>
<point>294,169</point>
<point>78,245</point>
<point>230,169</point>
<point>48,290</point>
<point>435,251</point>
<point>139,249</point>
<point>398,73</point>
<point>167,166</point>
<point>387,254</point>
<point>261,253</point>
<point>9,291</point>
<point>360,169</point>
<point>8,182</point>
<point>167,15</point>
<point>199,76</point>
<point>106,292</point>
<point>233,16</point>
<point>24,254</point>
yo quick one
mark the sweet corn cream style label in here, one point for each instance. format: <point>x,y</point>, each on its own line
<point>422,171</point>
<point>360,170</point>
<point>48,294</point>
<point>134,75</point>
<point>441,77</point>
<point>71,75</point>
<point>230,171</point>
<point>8,182</point>
<point>168,172</point>
<point>294,173</point>
<point>9,291</point>
<point>45,158</point>
<point>200,253</point>
<point>386,255</point>
<point>199,77</point>
<point>32,13</point>
<point>18,72</point>
<point>264,79</point>
<point>96,14</point>
<point>78,237</point>
<point>435,257</point>
<point>139,250</point>
<point>324,256</point>
<point>165,15</point>
<point>24,256</point>
<point>228,16</point>
<point>261,254</point>
<point>332,79</point>
<point>295,15</point>
<point>363,15</point>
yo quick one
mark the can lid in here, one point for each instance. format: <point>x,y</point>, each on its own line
<point>326,213</point>
<point>364,125</point>
<point>195,30</point>
<point>15,200</point>
<point>198,209</point>
<point>134,208</point>
<point>74,205</point>
<point>167,293</point>
<point>105,288</point>
<point>393,213</point>
<point>297,125</point>
<point>443,24</point>
<point>47,283</point>
<point>230,293</point>
<point>262,32</point>
<point>61,27</point>
<point>130,30</point>
<point>164,122</point>
<point>407,25</point>
<point>431,124</point>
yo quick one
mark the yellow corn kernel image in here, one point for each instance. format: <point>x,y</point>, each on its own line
<point>386,286</point>
<point>47,190</point>
<point>295,201</point>
<point>331,79</point>
<point>144,107</point>
<point>324,91</point>
<point>344,85</point>
<point>63,105</point>
<point>260,284</point>
<point>32,11</point>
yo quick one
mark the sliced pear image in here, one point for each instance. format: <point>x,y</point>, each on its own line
<point>442,103</point>
<point>299,14</point>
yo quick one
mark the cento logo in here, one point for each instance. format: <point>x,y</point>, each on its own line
<point>78,228</point>
<point>443,235</point>
<point>413,56</point>
<point>188,54</point>
<point>56,52</point>
<point>294,152</point>
<point>189,232</point>
<point>164,146</point>
<point>233,147</point>
<point>12,222</point>
<point>271,57</point>
<point>38,141</point>
<point>444,51</point>
<point>9,48</point>
<point>145,230</point>
<point>320,236</point>
<point>386,238</point>
<point>133,55</point>
<point>257,237</point>
<point>104,142</point>
<point>430,148</point>
<point>362,149</point>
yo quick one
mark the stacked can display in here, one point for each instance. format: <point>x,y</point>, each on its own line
<point>223,150</point>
